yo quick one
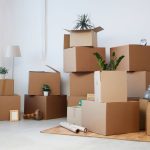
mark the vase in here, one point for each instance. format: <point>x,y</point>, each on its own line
<point>45,93</point>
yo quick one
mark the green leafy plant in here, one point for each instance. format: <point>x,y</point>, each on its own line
<point>3,70</point>
<point>46,87</point>
<point>83,22</point>
<point>112,65</point>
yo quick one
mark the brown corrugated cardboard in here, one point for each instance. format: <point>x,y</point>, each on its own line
<point>74,100</point>
<point>84,37</point>
<point>110,118</point>
<point>53,106</point>
<point>148,119</point>
<point>6,87</point>
<point>136,57</point>
<point>81,84</point>
<point>137,83</point>
<point>143,108</point>
<point>8,103</point>
<point>110,86</point>
<point>81,59</point>
<point>66,41</point>
<point>74,115</point>
<point>37,79</point>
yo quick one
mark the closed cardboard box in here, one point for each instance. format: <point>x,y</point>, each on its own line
<point>84,37</point>
<point>37,79</point>
<point>110,86</point>
<point>8,103</point>
<point>74,115</point>
<point>136,57</point>
<point>143,108</point>
<point>81,84</point>
<point>81,59</point>
<point>137,83</point>
<point>111,118</point>
<point>6,87</point>
<point>148,119</point>
<point>53,106</point>
<point>74,100</point>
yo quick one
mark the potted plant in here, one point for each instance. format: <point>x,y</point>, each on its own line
<point>46,89</point>
<point>3,72</point>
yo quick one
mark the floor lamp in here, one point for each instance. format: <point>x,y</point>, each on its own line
<point>12,52</point>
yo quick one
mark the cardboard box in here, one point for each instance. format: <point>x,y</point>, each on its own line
<point>81,84</point>
<point>81,59</point>
<point>148,119</point>
<point>137,83</point>
<point>143,108</point>
<point>74,100</point>
<point>37,79</point>
<point>6,87</point>
<point>74,115</point>
<point>136,57</point>
<point>111,118</point>
<point>53,106</point>
<point>66,41</point>
<point>110,86</point>
<point>84,37</point>
<point>8,103</point>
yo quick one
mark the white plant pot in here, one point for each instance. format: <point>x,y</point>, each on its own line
<point>2,76</point>
<point>45,93</point>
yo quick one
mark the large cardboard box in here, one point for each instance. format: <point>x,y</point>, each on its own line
<point>53,106</point>
<point>137,83</point>
<point>148,119</point>
<point>143,108</point>
<point>110,86</point>
<point>8,103</point>
<point>6,87</point>
<point>74,115</point>
<point>81,59</point>
<point>37,79</point>
<point>74,100</point>
<point>81,84</point>
<point>111,118</point>
<point>136,57</point>
<point>84,37</point>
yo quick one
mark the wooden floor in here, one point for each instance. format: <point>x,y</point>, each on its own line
<point>139,136</point>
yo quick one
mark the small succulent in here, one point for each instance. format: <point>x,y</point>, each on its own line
<point>112,65</point>
<point>3,70</point>
<point>46,87</point>
<point>83,23</point>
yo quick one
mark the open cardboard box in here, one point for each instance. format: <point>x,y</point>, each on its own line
<point>84,37</point>
<point>110,86</point>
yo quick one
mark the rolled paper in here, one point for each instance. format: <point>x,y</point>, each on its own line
<point>83,129</point>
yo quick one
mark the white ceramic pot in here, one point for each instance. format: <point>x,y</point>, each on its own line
<point>45,93</point>
<point>2,76</point>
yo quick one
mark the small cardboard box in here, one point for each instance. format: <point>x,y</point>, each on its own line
<point>148,119</point>
<point>136,57</point>
<point>110,86</point>
<point>74,115</point>
<point>84,37</point>
<point>74,100</point>
<point>110,118</point>
<point>53,106</point>
<point>81,59</point>
<point>8,103</point>
<point>37,79</point>
<point>143,108</point>
<point>6,87</point>
<point>81,84</point>
<point>137,83</point>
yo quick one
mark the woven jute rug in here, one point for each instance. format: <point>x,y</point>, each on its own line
<point>138,136</point>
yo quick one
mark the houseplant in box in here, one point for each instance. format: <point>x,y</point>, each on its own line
<point>3,72</point>
<point>46,89</point>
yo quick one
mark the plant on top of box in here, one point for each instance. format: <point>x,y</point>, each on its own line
<point>83,23</point>
<point>112,65</point>
<point>46,89</point>
<point>3,72</point>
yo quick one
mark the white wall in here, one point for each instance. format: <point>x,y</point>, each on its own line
<point>21,22</point>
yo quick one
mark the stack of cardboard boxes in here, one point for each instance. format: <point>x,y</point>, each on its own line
<point>8,101</point>
<point>52,106</point>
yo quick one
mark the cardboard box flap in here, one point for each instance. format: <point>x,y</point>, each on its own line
<point>97,29</point>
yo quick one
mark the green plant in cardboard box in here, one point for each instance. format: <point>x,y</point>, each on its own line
<point>46,89</point>
<point>112,65</point>
<point>3,72</point>
<point>83,23</point>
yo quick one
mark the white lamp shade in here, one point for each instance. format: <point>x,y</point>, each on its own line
<point>13,51</point>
